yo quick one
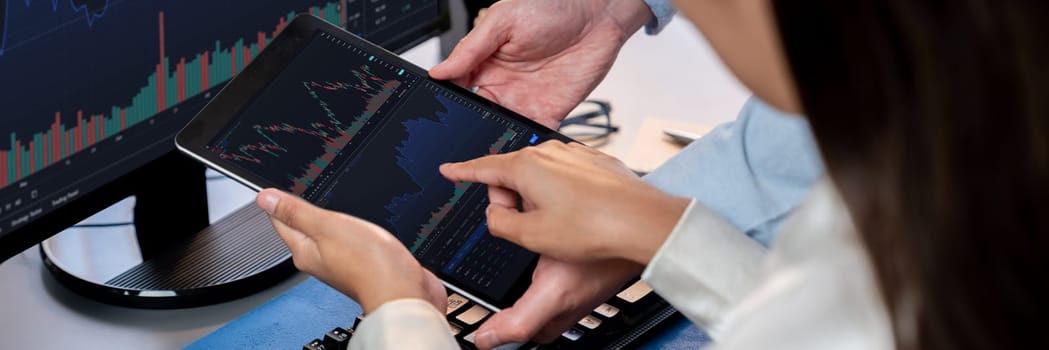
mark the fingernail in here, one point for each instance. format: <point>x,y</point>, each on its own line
<point>268,202</point>
<point>488,337</point>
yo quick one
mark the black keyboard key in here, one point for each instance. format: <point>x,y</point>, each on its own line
<point>337,339</point>
<point>357,322</point>
<point>572,334</point>
<point>315,344</point>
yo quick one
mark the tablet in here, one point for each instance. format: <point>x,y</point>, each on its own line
<point>354,128</point>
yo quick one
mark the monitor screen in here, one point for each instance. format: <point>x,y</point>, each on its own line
<point>94,89</point>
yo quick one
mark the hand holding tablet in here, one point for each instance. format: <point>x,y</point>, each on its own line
<point>351,255</point>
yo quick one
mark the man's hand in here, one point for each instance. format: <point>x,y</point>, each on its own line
<point>561,294</point>
<point>541,58</point>
<point>353,256</point>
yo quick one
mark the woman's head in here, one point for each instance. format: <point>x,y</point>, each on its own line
<point>933,120</point>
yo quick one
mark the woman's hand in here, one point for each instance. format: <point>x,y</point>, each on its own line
<point>594,222</point>
<point>579,204</point>
<point>354,256</point>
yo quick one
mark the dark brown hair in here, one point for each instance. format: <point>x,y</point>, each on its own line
<point>933,120</point>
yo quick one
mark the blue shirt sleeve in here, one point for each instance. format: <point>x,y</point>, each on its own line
<point>753,171</point>
<point>663,12</point>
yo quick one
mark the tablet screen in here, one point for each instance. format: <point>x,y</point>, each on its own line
<point>354,133</point>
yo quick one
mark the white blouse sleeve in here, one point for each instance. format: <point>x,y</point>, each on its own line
<point>819,292</point>
<point>705,267</point>
<point>404,324</point>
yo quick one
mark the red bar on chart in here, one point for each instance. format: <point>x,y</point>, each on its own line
<point>18,159</point>
<point>342,12</point>
<point>205,61</point>
<point>246,58</point>
<point>161,74</point>
<point>56,144</point>
<point>280,26</point>
<point>233,60</point>
<point>90,132</point>
<point>123,120</point>
<point>161,91</point>
<point>45,143</point>
<point>3,174</point>
<point>180,78</point>
<point>78,133</point>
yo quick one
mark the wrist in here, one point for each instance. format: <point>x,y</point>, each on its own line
<point>394,275</point>
<point>629,15</point>
<point>386,294</point>
<point>371,311</point>
<point>663,215</point>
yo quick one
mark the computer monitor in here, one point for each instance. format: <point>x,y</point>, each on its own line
<point>93,92</point>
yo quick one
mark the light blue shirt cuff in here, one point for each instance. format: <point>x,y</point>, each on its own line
<point>753,171</point>
<point>663,12</point>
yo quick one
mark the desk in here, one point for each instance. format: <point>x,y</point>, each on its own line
<point>674,76</point>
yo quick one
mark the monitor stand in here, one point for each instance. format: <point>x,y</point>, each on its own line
<point>170,257</point>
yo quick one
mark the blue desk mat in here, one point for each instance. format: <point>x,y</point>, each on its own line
<point>308,310</point>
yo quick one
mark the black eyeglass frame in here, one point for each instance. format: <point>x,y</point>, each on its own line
<point>604,110</point>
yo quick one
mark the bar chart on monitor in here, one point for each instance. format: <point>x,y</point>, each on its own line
<point>167,69</point>
<point>93,89</point>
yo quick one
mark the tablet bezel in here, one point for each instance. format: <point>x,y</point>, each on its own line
<point>256,77</point>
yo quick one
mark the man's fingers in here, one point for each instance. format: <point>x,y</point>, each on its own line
<point>492,170</point>
<point>463,82</point>
<point>488,94</point>
<point>480,14</point>
<point>475,48</point>
<point>553,329</point>
<point>518,324</point>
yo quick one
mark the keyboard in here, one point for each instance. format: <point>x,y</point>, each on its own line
<point>616,323</point>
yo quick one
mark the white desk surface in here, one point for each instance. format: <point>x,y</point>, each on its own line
<point>673,76</point>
